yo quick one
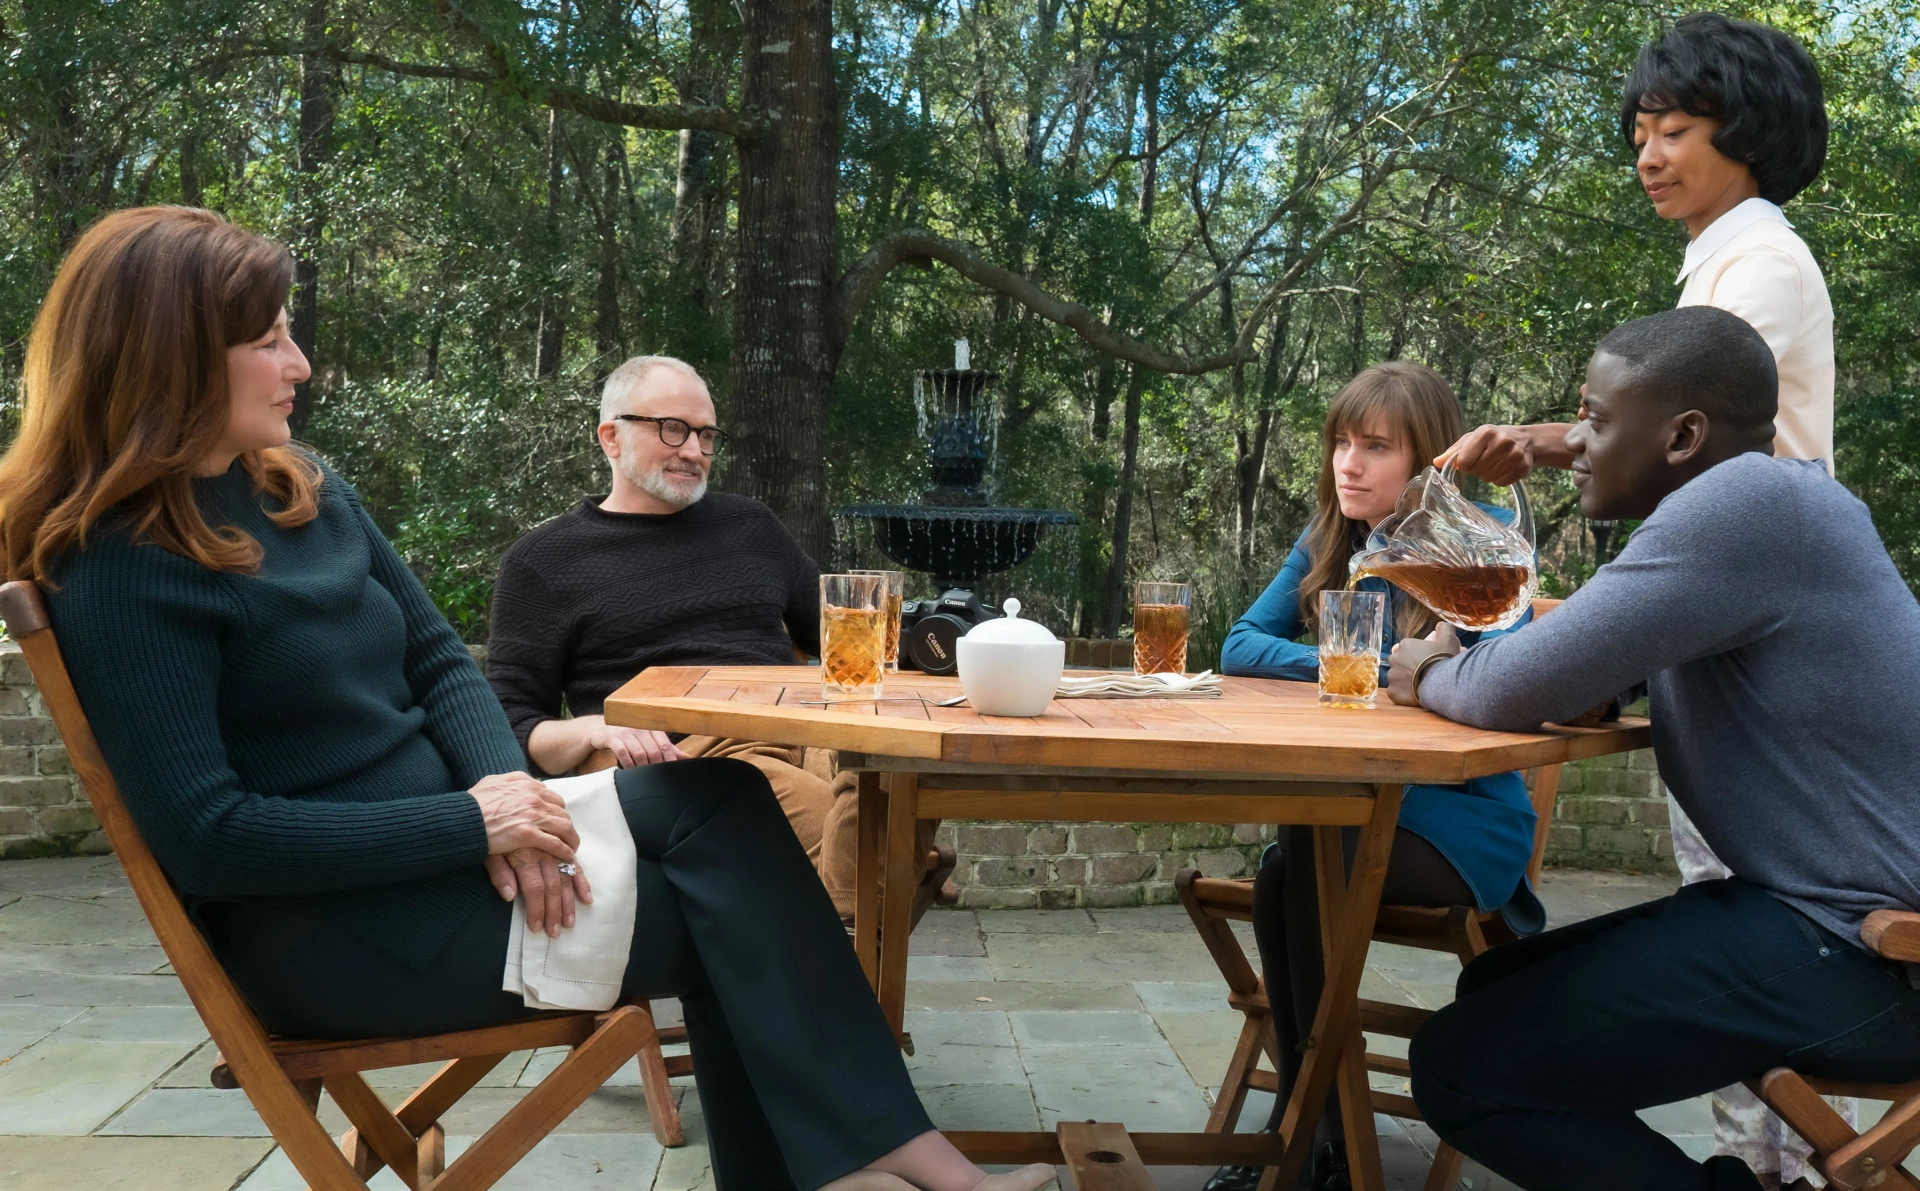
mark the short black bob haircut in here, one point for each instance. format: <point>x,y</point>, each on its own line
<point>1758,82</point>
<point>1700,357</point>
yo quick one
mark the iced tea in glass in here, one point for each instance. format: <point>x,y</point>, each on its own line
<point>896,596</point>
<point>853,635</point>
<point>1351,623</point>
<point>1160,613</point>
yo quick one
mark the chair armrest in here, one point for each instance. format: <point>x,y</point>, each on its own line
<point>1894,934</point>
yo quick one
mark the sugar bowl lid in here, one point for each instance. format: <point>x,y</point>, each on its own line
<point>1011,629</point>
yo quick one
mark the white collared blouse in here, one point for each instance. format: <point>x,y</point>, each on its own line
<point>1750,262</point>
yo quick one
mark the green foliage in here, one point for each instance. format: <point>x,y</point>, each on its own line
<point>1118,153</point>
<point>1880,460</point>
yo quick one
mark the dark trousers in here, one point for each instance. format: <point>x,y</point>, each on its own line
<point>1286,929</point>
<point>1554,1042</point>
<point>798,1074</point>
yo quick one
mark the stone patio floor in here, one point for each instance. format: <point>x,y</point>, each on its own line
<point>1019,1019</point>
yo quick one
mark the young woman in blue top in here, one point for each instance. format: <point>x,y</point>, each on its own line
<point>1456,845</point>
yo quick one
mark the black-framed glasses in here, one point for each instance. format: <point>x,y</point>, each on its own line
<point>673,432</point>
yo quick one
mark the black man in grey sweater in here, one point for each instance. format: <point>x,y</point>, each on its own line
<point>1781,647</point>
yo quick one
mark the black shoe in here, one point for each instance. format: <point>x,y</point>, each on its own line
<point>1235,1178</point>
<point>1328,1171</point>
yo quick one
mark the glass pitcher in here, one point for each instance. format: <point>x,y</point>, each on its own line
<point>1453,556</point>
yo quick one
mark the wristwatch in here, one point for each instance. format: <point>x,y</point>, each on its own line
<point>1420,671</point>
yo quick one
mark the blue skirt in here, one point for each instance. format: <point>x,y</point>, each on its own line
<point>1485,829</point>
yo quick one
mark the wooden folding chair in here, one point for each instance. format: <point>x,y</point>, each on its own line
<point>1849,1159</point>
<point>1465,931</point>
<point>283,1077</point>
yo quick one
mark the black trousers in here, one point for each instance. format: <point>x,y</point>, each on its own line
<point>798,1074</point>
<point>1286,930</point>
<point>1538,1067</point>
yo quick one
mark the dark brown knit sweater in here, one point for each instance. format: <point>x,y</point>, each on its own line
<point>591,598</point>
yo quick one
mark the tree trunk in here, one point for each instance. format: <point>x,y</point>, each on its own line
<point>313,150</point>
<point>786,333</point>
<point>1116,601</point>
<point>1150,143</point>
<point>190,171</point>
<point>546,360</point>
<point>1250,469</point>
<point>699,192</point>
<point>609,340</point>
<point>552,334</point>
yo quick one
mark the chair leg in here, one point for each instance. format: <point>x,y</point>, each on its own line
<point>936,881</point>
<point>1463,931</point>
<point>1233,1085</point>
<point>419,1115</point>
<point>1444,1174</point>
<point>432,1159</point>
<point>433,1098</point>
<point>375,1128</point>
<point>309,1090</point>
<point>1356,1109</point>
<point>360,1155</point>
<point>1804,1111</point>
<point>624,1032</point>
<point>662,1112</point>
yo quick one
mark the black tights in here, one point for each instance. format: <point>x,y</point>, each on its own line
<point>799,1076</point>
<point>1286,928</point>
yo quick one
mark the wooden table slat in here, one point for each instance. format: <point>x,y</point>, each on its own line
<point>1258,726</point>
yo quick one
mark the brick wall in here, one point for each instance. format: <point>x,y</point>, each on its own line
<point>1054,866</point>
<point>42,811</point>
<point>1612,815</point>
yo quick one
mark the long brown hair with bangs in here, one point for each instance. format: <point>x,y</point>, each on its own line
<point>1415,405</point>
<point>125,391</point>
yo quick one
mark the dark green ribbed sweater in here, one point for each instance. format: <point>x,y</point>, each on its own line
<point>307,732</point>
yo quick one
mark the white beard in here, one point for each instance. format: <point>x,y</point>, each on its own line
<point>658,484</point>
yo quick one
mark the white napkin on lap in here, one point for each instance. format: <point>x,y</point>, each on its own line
<point>583,968</point>
<point>1204,685</point>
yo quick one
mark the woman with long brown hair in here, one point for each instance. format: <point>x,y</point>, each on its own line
<point>1456,845</point>
<point>324,774</point>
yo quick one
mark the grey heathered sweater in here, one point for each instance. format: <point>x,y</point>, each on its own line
<point>1782,651</point>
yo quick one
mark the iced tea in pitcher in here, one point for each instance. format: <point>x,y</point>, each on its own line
<point>1458,559</point>
<point>1471,597</point>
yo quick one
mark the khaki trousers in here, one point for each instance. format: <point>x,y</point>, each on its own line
<point>823,806</point>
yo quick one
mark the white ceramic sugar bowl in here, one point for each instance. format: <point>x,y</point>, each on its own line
<point>1011,666</point>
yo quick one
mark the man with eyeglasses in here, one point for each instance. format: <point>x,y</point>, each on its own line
<point>661,572</point>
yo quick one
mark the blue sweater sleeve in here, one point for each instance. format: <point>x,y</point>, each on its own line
<point>1261,643</point>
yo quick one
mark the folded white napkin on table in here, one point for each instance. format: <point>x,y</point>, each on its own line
<point>1204,685</point>
<point>583,968</point>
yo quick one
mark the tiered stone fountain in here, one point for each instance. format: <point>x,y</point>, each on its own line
<point>955,533</point>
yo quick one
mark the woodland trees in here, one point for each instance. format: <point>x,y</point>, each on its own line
<point>1174,227</point>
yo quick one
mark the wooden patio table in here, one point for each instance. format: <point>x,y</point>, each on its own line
<point>1265,752</point>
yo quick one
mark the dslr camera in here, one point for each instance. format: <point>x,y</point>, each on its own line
<point>929,629</point>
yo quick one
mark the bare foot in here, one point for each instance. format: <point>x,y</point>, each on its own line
<point>869,1180</point>
<point>1027,1178</point>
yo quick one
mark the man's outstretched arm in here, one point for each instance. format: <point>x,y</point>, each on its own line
<point>1701,576</point>
<point>1504,454</point>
